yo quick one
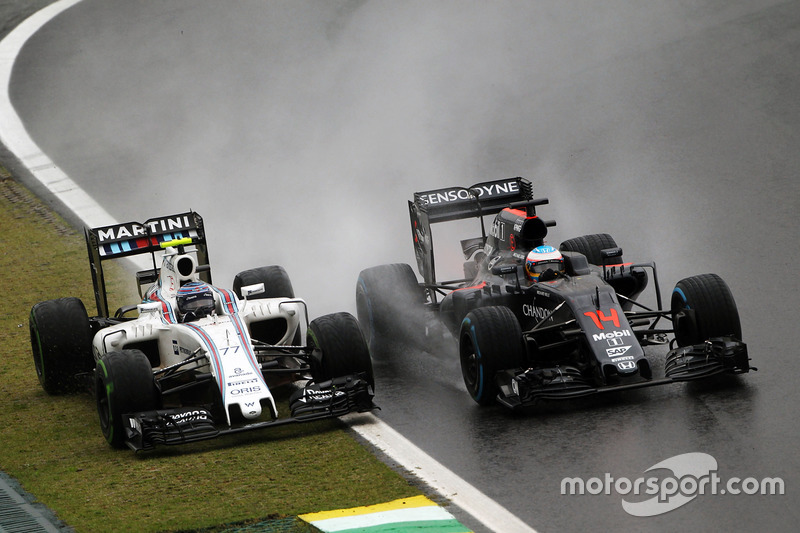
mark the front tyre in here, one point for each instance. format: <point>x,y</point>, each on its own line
<point>339,348</point>
<point>490,341</point>
<point>61,341</point>
<point>124,383</point>
<point>703,307</point>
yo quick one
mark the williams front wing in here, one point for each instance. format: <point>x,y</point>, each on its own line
<point>315,401</point>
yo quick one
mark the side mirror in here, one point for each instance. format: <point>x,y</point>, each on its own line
<point>501,270</point>
<point>610,253</point>
<point>251,290</point>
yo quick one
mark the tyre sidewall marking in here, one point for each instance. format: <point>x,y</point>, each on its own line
<point>682,296</point>
<point>478,358</point>
<point>39,355</point>
<point>109,390</point>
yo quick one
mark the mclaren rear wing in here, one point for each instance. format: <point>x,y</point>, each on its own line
<point>487,198</point>
<point>135,238</point>
<point>455,203</point>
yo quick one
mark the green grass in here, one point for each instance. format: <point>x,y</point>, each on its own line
<point>53,445</point>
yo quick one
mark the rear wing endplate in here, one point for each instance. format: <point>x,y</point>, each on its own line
<point>135,238</point>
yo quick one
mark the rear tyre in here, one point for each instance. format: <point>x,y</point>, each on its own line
<point>628,282</point>
<point>276,285</point>
<point>339,348</point>
<point>703,307</point>
<point>275,279</point>
<point>591,246</point>
<point>490,341</point>
<point>124,383</point>
<point>390,306</point>
<point>61,341</point>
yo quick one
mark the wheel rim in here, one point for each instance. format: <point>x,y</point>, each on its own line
<point>37,351</point>
<point>103,411</point>
<point>104,408</point>
<point>469,364</point>
<point>679,304</point>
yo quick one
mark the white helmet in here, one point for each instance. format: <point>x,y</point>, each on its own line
<point>541,259</point>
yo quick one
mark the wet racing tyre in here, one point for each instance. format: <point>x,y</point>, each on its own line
<point>490,341</point>
<point>703,307</point>
<point>591,246</point>
<point>124,383</point>
<point>275,279</point>
<point>339,348</point>
<point>61,341</point>
<point>390,307</point>
<point>627,282</point>
<point>276,285</point>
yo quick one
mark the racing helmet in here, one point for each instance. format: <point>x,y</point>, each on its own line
<point>540,260</point>
<point>195,300</point>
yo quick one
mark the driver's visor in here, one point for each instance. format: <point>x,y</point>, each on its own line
<point>541,266</point>
<point>195,302</point>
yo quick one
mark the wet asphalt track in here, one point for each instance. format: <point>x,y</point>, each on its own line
<point>299,130</point>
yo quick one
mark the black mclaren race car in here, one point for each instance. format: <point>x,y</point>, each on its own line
<point>191,360</point>
<point>534,322</point>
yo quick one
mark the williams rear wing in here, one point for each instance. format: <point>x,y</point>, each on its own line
<point>455,203</point>
<point>135,238</point>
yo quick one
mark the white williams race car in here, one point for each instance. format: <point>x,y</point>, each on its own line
<point>193,361</point>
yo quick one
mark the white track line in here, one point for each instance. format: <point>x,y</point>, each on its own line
<point>484,509</point>
<point>15,137</point>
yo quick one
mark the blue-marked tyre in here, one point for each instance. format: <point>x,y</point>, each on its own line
<point>490,341</point>
<point>124,383</point>
<point>61,341</point>
<point>703,307</point>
